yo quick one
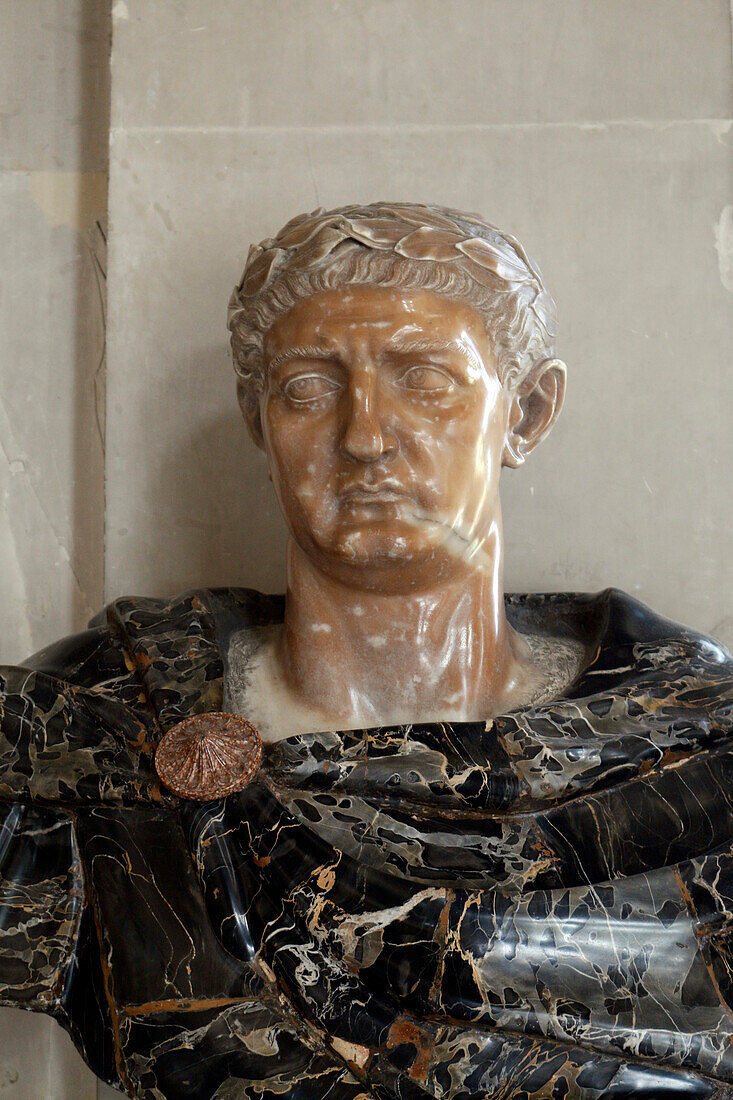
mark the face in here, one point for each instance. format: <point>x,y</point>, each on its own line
<point>384,421</point>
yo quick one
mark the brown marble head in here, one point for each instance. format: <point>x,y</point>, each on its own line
<point>391,358</point>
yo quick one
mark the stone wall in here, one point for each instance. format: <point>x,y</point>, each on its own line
<point>54,112</point>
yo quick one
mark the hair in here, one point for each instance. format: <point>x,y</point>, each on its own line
<point>402,245</point>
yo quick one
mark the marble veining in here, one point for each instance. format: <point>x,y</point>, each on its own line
<point>391,912</point>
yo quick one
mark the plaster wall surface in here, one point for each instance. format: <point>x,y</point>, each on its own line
<point>599,133</point>
<point>54,110</point>
<point>54,118</point>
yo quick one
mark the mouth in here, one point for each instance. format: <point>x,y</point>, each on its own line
<point>373,494</point>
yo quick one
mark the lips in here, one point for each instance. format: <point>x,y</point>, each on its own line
<point>373,494</point>
<point>365,496</point>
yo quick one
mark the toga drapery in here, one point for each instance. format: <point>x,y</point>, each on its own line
<point>540,906</point>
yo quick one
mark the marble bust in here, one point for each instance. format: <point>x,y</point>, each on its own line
<point>488,851</point>
<point>388,387</point>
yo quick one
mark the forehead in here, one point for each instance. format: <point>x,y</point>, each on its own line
<point>335,318</point>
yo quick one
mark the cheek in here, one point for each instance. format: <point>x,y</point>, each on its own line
<point>485,424</point>
<point>298,450</point>
<point>451,447</point>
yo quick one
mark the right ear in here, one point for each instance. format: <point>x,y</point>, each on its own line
<point>249,403</point>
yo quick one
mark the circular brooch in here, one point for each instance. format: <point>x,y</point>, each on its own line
<point>209,756</point>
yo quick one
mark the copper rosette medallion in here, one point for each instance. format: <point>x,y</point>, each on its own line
<point>209,756</point>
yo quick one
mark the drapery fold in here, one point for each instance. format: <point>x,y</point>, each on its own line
<point>539,904</point>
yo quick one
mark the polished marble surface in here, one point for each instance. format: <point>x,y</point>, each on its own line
<point>395,912</point>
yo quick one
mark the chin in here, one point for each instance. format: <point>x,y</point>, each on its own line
<point>377,562</point>
<point>381,544</point>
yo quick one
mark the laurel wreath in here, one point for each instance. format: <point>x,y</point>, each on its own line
<point>429,234</point>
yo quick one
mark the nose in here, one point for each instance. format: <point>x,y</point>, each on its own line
<point>365,438</point>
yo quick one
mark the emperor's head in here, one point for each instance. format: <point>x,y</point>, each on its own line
<point>391,358</point>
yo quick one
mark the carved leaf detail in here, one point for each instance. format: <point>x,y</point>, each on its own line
<point>376,232</point>
<point>258,273</point>
<point>430,244</point>
<point>486,255</point>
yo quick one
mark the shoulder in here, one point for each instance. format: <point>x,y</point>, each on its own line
<point>629,621</point>
<point>104,654</point>
<point>141,620</point>
<point>80,719</point>
<point>177,645</point>
<point>636,646</point>
<point>619,632</point>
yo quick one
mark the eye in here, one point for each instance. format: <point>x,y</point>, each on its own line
<point>427,379</point>
<point>306,388</point>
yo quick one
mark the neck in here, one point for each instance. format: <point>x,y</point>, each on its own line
<point>365,658</point>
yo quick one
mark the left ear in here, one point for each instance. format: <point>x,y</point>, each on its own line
<point>535,407</point>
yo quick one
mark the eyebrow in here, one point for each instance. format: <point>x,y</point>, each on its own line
<point>408,345</point>
<point>400,345</point>
<point>307,351</point>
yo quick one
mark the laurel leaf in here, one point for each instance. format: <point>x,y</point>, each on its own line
<point>320,244</point>
<point>544,310</point>
<point>488,256</point>
<point>375,232</point>
<point>427,243</point>
<point>260,272</point>
<point>298,235</point>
